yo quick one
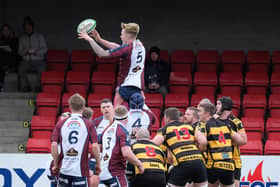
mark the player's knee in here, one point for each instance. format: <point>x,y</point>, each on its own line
<point>94,181</point>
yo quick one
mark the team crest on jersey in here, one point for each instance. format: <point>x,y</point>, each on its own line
<point>225,155</point>
<point>111,131</point>
<point>137,68</point>
<point>74,125</point>
<point>72,152</point>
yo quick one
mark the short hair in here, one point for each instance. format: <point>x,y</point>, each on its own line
<point>172,113</point>
<point>131,28</point>
<point>88,113</point>
<point>143,133</point>
<point>208,107</point>
<point>194,110</point>
<point>106,100</point>
<point>77,102</point>
<point>120,112</point>
<point>205,100</point>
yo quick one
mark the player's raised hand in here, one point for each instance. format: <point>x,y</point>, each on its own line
<point>84,36</point>
<point>94,33</point>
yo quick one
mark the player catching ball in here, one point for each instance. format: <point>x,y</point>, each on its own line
<point>132,58</point>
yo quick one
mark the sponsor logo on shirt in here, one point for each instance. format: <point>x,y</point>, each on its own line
<point>74,125</point>
<point>72,152</point>
<point>111,131</point>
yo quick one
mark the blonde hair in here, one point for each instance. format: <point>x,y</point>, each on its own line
<point>131,28</point>
<point>76,102</point>
<point>121,112</point>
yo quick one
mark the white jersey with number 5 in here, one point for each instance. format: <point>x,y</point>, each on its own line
<point>137,65</point>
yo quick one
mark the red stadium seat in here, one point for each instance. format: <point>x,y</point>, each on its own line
<point>57,60</point>
<point>253,124</point>
<point>79,57</point>
<point>65,103</point>
<point>252,148</point>
<point>231,83</point>
<point>82,56</point>
<point>272,147</point>
<point>276,61</point>
<point>52,81</point>
<point>205,82</point>
<point>42,126</point>
<point>77,82</point>
<point>275,83</point>
<point>48,99</point>
<point>154,100</point>
<point>256,82</point>
<point>274,105</point>
<point>207,60</point>
<point>107,64</point>
<point>273,128</point>
<point>48,103</point>
<point>103,82</point>
<point>258,61</point>
<point>182,60</point>
<point>94,99</point>
<point>180,82</point>
<point>35,145</point>
<point>254,105</point>
<point>164,55</point>
<point>196,98</point>
<point>177,100</point>
<point>157,114</point>
<point>253,135</point>
<point>233,61</point>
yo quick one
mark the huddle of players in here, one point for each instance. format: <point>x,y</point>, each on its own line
<point>204,146</point>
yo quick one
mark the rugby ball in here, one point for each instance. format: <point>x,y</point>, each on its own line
<point>86,26</point>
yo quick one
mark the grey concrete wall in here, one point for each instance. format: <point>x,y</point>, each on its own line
<point>173,25</point>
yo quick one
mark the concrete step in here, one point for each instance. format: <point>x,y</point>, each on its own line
<point>11,148</point>
<point>18,95</point>
<point>13,128</point>
<point>11,82</point>
<point>13,139</point>
<point>16,113</point>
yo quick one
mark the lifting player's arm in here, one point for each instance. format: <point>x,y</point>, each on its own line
<point>131,158</point>
<point>105,43</point>
<point>159,138</point>
<point>95,47</point>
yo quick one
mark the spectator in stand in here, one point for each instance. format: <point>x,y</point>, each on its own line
<point>32,49</point>
<point>156,73</point>
<point>9,57</point>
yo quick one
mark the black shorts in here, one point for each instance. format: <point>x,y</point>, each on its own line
<point>226,177</point>
<point>237,174</point>
<point>149,179</point>
<point>72,181</point>
<point>194,171</point>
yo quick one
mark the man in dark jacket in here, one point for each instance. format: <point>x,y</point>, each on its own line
<point>156,73</point>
